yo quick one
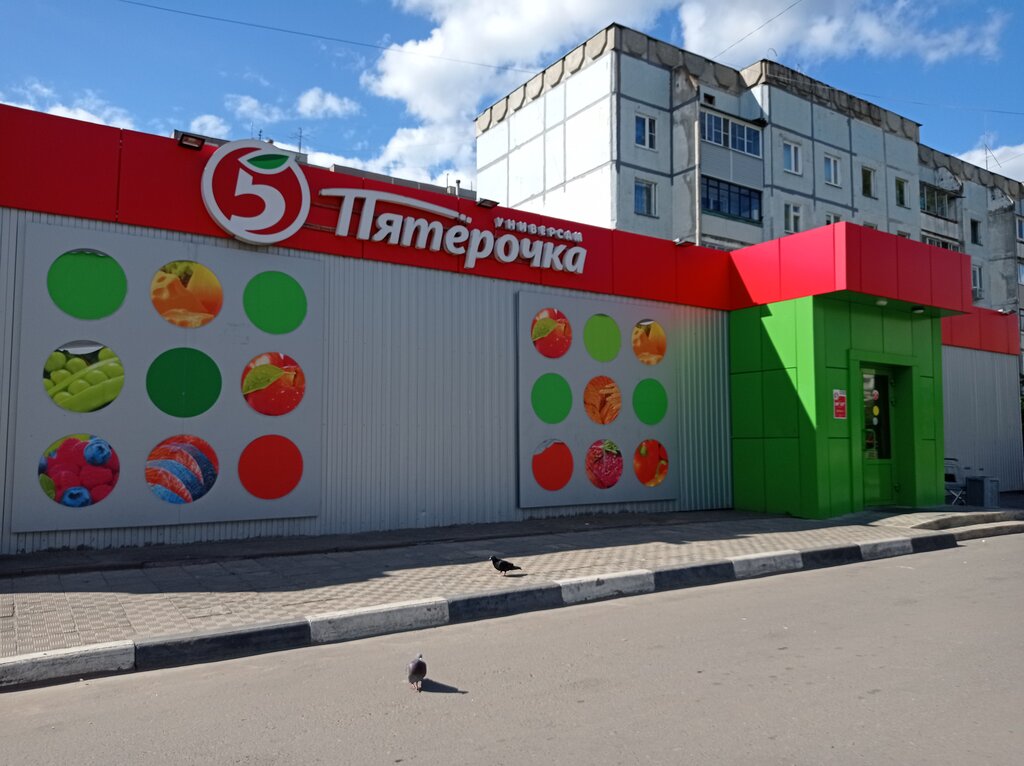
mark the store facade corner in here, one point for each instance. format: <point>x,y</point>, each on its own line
<point>227,343</point>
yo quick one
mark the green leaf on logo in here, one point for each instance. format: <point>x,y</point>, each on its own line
<point>543,328</point>
<point>268,161</point>
<point>260,377</point>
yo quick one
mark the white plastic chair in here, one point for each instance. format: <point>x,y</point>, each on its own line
<point>955,486</point>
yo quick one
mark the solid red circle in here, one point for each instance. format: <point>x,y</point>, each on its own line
<point>270,467</point>
<point>552,465</point>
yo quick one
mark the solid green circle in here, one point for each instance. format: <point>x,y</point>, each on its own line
<point>650,402</point>
<point>602,338</point>
<point>274,302</point>
<point>551,398</point>
<point>86,284</point>
<point>183,382</point>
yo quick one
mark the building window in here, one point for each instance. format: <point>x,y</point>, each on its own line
<point>945,244</point>
<point>645,131</point>
<point>1020,229</point>
<point>937,202</point>
<point>872,226</point>
<point>714,128</point>
<point>904,234</point>
<point>831,170</point>
<point>977,291</point>
<point>1020,273</point>
<point>1020,319</point>
<point>729,199</point>
<point>831,218</point>
<point>901,193</point>
<point>975,232</point>
<point>644,197</point>
<point>791,158</point>
<point>867,182</point>
<point>746,139</point>
<point>792,217</point>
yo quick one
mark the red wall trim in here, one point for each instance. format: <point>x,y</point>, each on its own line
<point>108,174</point>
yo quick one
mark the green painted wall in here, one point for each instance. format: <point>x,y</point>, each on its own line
<point>790,455</point>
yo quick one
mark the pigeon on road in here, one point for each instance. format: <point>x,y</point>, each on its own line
<point>503,566</point>
<point>417,672</point>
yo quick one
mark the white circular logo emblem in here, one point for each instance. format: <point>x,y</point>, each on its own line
<point>255,192</point>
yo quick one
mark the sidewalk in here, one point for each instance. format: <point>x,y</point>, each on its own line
<point>152,607</point>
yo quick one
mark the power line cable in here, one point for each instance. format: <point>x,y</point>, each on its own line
<point>315,36</point>
<point>769,21</point>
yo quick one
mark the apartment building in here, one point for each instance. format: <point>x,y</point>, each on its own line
<point>633,133</point>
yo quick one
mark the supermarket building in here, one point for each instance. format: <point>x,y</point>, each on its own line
<point>226,343</point>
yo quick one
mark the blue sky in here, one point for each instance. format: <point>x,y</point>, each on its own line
<point>393,86</point>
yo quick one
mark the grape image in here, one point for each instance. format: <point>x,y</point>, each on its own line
<point>83,376</point>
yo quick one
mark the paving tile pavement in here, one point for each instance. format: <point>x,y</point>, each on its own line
<point>54,611</point>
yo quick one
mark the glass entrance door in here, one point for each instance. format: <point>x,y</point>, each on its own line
<point>878,465</point>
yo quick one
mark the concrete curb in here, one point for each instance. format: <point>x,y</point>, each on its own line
<point>60,664</point>
<point>377,620</point>
<point>172,651</point>
<point>579,590</point>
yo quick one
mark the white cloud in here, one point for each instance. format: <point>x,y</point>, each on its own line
<point>815,30</point>
<point>444,94</point>
<point>250,108</point>
<point>88,107</point>
<point>1005,160</point>
<point>210,125</point>
<point>317,103</point>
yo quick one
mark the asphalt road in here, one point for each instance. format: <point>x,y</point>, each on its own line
<point>912,660</point>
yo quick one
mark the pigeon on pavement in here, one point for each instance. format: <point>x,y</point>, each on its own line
<point>417,672</point>
<point>503,566</point>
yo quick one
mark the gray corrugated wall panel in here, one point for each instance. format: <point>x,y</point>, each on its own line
<point>8,250</point>
<point>424,368</point>
<point>420,407</point>
<point>981,407</point>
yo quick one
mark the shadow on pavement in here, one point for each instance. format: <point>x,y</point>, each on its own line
<point>436,687</point>
<point>266,565</point>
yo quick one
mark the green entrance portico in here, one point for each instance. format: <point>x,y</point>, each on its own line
<point>836,395</point>
<point>836,405</point>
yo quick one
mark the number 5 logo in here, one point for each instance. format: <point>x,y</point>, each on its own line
<point>255,192</point>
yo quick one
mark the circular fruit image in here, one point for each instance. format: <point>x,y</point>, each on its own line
<point>183,382</point>
<point>186,293</point>
<point>650,401</point>
<point>270,467</point>
<point>601,337</point>
<point>649,341</point>
<point>83,376</point>
<point>78,470</point>
<point>274,302</point>
<point>273,383</point>
<point>181,469</point>
<point>551,398</point>
<point>552,465</point>
<point>650,463</point>
<point>551,333</point>
<point>604,464</point>
<point>87,284</point>
<point>602,400</point>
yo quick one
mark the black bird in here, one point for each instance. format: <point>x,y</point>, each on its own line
<point>503,566</point>
<point>417,672</point>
